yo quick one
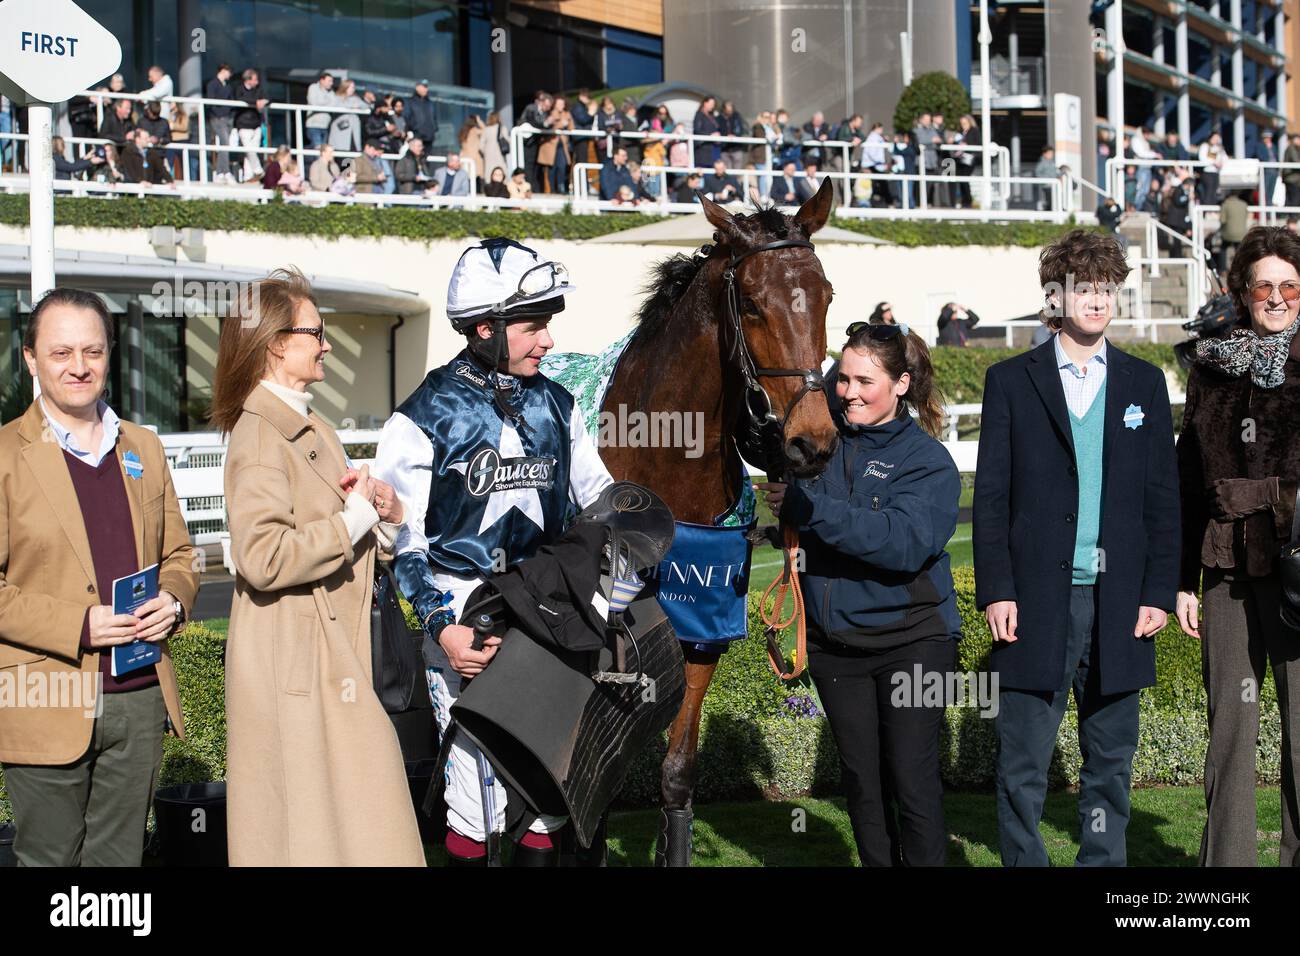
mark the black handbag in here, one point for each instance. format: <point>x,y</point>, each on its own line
<point>393,656</point>
<point>1288,572</point>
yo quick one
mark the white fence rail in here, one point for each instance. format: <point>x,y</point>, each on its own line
<point>197,461</point>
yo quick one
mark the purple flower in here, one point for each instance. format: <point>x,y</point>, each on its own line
<point>802,705</point>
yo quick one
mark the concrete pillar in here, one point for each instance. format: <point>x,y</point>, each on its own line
<point>1238,84</point>
<point>1184,98</point>
<point>1279,41</point>
<point>1115,74</point>
<point>189,77</point>
<point>502,74</point>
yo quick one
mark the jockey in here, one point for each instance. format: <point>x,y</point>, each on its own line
<point>490,458</point>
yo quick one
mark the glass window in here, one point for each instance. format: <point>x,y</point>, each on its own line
<point>632,59</point>
<point>118,19</point>
<point>1170,41</point>
<point>1137,30</point>
<point>16,388</point>
<point>231,27</point>
<point>1199,62</point>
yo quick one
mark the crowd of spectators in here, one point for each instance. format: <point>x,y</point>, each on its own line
<point>800,155</point>
<point>340,119</point>
<point>387,142</point>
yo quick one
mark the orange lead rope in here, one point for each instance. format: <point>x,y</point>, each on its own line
<point>787,582</point>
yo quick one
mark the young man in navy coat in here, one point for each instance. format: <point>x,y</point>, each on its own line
<point>1076,540</point>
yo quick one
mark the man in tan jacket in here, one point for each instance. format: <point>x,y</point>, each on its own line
<point>84,499</point>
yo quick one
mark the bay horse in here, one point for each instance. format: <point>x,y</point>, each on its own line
<point>762,279</point>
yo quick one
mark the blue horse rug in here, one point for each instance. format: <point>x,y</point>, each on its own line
<point>703,581</point>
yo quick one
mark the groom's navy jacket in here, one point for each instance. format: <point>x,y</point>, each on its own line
<point>1026,504</point>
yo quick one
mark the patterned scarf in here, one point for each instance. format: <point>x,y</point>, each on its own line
<point>1243,349</point>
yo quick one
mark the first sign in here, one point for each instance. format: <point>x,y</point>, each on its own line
<point>51,50</point>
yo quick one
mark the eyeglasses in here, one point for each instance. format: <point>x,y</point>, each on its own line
<point>1263,291</point>
<point>877,333</point>
<point>538,280</point>
<point>319,332</point>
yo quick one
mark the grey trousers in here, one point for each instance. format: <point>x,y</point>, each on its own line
<point>92,812</point>
<point>1027,724</point>
<point>1240,634</point>
<point>219,134</point>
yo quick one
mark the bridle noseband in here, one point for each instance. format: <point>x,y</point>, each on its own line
<point>760,435</point>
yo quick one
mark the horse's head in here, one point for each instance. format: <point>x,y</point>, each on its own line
<point>783,296</point>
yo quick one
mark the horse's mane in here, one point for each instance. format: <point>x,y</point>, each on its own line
<point>671,277</point>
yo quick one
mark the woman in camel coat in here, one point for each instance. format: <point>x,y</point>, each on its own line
<point>554,152</point>
<point>314,771</point>
<point>490,143</point>
<point>471,146</point>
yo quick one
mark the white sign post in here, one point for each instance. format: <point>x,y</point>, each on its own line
<point>50,50</point>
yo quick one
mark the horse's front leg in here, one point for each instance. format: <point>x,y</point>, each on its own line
<point>678,780</point>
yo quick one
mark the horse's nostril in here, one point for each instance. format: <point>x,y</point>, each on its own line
<point>799,450</point>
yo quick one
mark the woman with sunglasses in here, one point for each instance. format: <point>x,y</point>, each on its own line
<point>879,594</point>
<point>314,771</point>
<point>1239,462</point>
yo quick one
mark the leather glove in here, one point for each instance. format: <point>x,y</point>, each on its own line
<point>1236,497</point>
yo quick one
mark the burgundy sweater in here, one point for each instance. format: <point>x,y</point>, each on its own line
<point>106,513</point>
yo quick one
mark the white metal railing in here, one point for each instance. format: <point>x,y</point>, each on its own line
<point>295,110</point>
<point>845,178</point>
<point>184,148</point>
<point>1059,210</point>
<point>197,463</point>
<point>520,134</point>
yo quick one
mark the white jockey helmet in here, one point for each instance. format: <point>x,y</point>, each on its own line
<point>502,278</point>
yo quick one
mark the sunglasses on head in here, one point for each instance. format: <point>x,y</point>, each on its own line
<point>877,333</point>
<point>1263,291</point>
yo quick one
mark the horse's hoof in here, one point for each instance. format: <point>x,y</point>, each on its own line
<point>674,845</point>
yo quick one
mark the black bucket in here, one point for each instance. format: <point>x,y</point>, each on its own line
<point>7,834</point>
<point>191,820</point>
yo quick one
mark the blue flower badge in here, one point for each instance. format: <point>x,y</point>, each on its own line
<point>133,467</point>
<point>1133,417</point>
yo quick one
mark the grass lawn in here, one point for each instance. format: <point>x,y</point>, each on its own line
<point>1165,831</point>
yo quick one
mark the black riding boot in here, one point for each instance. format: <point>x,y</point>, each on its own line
<point>461,861</point>
<point>595,855</point>
<point>534,856</point>
<point>674,846</point>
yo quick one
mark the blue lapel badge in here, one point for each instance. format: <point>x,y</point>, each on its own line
<point>133,467</point>
<point>1133,417</point>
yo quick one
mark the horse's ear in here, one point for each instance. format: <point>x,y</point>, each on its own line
<point>812,215</point>
<point>718,217</point>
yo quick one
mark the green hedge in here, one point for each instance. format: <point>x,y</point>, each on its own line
<point>334,221</point>
<point>198,655</point>
<point>960,371</point>
<point>756,738</point>
<point>918,232</point>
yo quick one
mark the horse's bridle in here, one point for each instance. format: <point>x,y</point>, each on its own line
<point>760,435</point>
